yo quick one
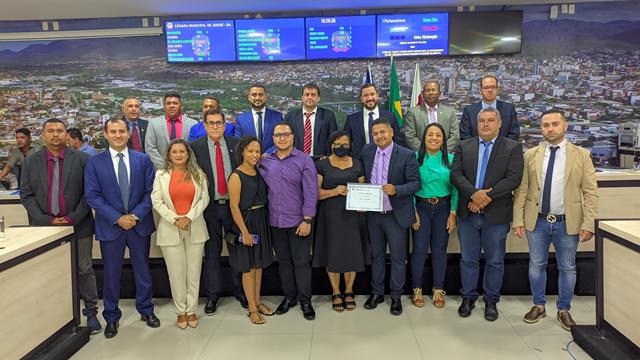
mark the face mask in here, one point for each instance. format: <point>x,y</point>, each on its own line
<point>340,151</point>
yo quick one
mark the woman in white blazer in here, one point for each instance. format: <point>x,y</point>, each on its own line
<point>180,196</point>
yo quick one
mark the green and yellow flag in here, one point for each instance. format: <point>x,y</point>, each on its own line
<point>394,95</point>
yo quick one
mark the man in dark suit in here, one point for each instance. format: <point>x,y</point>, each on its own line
<point>218,214</point>
<point>396,169</point>
<point>486,170</point>
<point>52,191</point>
<point>489,89</point>
<point>137,126</point>
<point>312,125</point>
<point>358,125</point>
<point>259,121</point>
<point>118,185</point>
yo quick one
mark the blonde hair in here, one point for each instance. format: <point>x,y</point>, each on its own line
<point>193,170</point>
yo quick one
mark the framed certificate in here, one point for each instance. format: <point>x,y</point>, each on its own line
<point>364,197</point>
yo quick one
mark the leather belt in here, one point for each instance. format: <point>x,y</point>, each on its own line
<point>432,200</point>
<point>551,218</point>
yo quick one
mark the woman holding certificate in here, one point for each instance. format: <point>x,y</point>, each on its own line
<point>436,204</point>
<point>180,196</point>
<point>340,244</point>
<point>252,251</point>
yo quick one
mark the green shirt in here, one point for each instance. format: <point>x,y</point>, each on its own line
<point>435,179</point>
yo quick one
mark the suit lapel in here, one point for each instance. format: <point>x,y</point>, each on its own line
<point>166,180</point>
<point>538,159</point>
<point>392,160</point>
<point>207,164</point>
<point>474,159</point>
<point>42,162</point>
<point>571,158</point>
<point>67,165</point>
<point>133,167</point>
<point>360,127</point>
<point>497,146</point>
<point>316,128</point>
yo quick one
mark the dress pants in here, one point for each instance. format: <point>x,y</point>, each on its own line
<point>294,262</point>
<point>476,234</point>
<point>218,217</point>
<point>184,263</point>
<point>383,230</point>
<point>86,277</point>
<point>112,259</point>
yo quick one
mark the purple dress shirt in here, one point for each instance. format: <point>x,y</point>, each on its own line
<point>293,188</point>
<point>380,172</point>
<point>62,204</point>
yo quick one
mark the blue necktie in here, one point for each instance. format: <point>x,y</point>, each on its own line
<point>548,179</point>
<point>123,182</point>
<point>259,129</point>
<point>370,122</point>
<point>55,187</point>
<point>483,166</point>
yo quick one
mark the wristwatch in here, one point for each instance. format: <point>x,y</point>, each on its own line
<point>307,220</point>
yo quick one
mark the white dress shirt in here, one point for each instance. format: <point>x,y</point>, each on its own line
<point>115,159</point>
<point>556,203</point>
<point>365,114</point>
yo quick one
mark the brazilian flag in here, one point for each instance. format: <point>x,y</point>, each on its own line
<point>394,95</point>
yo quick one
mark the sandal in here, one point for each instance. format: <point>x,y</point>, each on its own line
<point>349,304</point>
<point>337,306</point>
<point>417,299</point>
<point>264,310</point>
<point>438,298</point>
<point>257,321</point>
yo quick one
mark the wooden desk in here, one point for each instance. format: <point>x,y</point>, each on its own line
<point>39,302</point>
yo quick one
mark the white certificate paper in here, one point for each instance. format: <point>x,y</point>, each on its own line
<point>364,197</point>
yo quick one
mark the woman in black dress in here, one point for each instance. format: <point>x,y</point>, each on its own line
<point>247,200</point>
<point>340,242</point>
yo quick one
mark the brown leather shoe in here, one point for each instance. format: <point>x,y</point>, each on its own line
<point>438,298</point>
<point>565,319</point>
<point>535,314</point>
<point>192,320</point>
<point>182,321</point>
<point>417,299</point>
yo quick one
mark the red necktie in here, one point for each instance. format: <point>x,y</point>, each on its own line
<point>307,133</point>
<point>222,181</point>
<point>136,138</point>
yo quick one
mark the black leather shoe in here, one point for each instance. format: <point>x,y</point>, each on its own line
<point>211,307</point>
<point>151,320</point>
<point>307,311</point>
<point>243,301</point>
<point>490,311</point>
<point>465,309</point>
<point>373,301</point>
<point>111,330</point>
<point>285,305</point>
<point>396,307</point>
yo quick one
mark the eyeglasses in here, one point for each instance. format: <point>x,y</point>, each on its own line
<point>214,123</point>
<point>285,135</point>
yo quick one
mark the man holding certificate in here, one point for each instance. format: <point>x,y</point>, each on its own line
<point>395,170</point>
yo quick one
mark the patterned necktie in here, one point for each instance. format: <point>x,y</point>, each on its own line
<point>370,124</point>
<point>432,115</point>
<point>483,166</point>
<point>55,187</point>
<point>548,179</point>
<point>307,133</point>
<point>222,181</point>
<point>259,129</point>
<point>136,137</point>
<point>172,135</point>
<point>123,182</point>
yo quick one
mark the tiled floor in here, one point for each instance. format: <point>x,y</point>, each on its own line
<point>425,333</point>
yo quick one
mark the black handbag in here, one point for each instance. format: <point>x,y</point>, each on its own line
<point>231,237</point>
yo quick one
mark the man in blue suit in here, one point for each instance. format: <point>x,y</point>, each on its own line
<point>259,121</point>
<point>198,131</point>
<point>312,125</point>
<point>118,185</point>
<point>489,89</point>
<point>358,125</point>
<point>396,169</point>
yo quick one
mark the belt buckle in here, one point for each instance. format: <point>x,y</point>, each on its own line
<point>551,218</point>
<point>222,201</point>
<point>433,200</point>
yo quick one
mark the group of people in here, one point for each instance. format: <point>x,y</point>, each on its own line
<point>267,184</point>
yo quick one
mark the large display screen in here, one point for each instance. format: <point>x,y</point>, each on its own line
<point>200,41</point>
<point>470,34</point>
<point>270,39</point>
<point>413,34</point>
<point>340,37</point>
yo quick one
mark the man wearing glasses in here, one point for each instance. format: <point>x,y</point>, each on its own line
<point>489,89</point>
<point>292,180</point>
<point>215,156</point>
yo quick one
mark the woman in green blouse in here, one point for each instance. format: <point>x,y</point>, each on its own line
<point>436,204</point>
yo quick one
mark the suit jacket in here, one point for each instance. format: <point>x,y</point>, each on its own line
<point>417,118</point>
<point>34,190</point>
<point>203,157</point>
<point>157,138</point>
<point>469,121</point>
<point>354,127</point>
<point>168,233</point>
<point>580,190</point>
<point>142,128</point>
<point>103,194</point>
<point>245,126</point>
<point>504,173</point>
<point>324,126</point>
<point>403,173</point>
